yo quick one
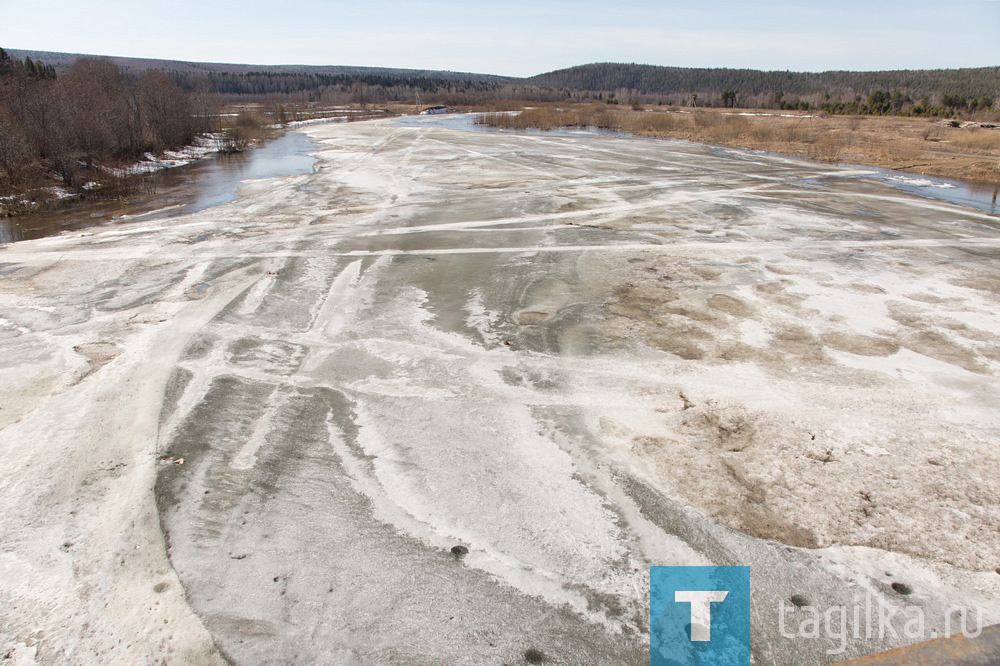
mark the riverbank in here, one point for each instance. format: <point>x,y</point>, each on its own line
<point>113,182</point>
<point>916,145</point>
<point>242,128</point>
<point>204,183</point>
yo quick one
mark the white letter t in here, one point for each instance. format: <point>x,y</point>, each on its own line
<point>701,610</point>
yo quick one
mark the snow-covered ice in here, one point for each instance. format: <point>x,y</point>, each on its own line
<point>255,432</point>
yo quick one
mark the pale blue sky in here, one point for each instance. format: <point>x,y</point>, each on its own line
<point>519,37</point>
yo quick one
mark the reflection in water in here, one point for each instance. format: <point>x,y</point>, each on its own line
<point>203,184</point>
<point>987,193</point>
<point>974,195</point>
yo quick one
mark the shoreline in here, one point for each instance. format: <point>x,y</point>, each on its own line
<point>920,146</point>
<point>196,153</point>
<point>33,201</point>
<point>201,184</point>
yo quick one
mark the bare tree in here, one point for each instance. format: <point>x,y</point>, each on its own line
<point>166,112</point>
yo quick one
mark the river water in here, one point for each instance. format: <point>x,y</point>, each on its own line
<point>179,191</point>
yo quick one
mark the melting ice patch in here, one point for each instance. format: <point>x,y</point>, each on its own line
<point>920,182</point>
<point>480,319</point>
<point>463,461</point>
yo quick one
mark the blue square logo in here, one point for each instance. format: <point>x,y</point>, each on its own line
<point>699,615</point>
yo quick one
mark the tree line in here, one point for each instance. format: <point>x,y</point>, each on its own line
<point>651,79</point>
<point>902,92</point>
<point>75,126</point>
<point>270,83</point>
<point>920,93</point>
<point>898,103</point>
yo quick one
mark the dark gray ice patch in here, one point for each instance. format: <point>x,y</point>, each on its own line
<point>274,356</point>
<point>224,418</point>
<point>124,295</point>
<point>299,288</point>
<point>351,364</point>
<point>285,561</point>
<point>199,346</point>
<point>38,319</point>
<point>220,267</point>
<point>178,382</point>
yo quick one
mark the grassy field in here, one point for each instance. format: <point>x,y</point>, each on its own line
<point>917,145</point>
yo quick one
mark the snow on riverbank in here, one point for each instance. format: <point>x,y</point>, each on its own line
<point>203,146</point>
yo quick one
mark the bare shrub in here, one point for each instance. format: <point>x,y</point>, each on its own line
<point>762,133</point>
<point>828,147</point>
<point>247,129</point>
<point>15,152</point>
<point>650,123</point>
<point>88,121</point>
<point>796,133</point>
<point>100,110</point>
<point>551,117</point>
<point>704,119</point>
<point>931,132</point>
<point>729,129</point>
<point>166,112</point>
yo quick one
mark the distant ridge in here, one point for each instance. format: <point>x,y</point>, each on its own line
<point>62,60</point>
<point>609,77</point>
<point>653,79</point>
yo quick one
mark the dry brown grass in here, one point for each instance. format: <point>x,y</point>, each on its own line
<point>403,109</point>
<point>910,144</point>
<point>977,139</point>
<point>552,117</point>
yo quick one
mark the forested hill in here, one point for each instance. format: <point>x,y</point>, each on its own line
<point>836,91</point>
<point>62,60</point>
<point>650,79</point>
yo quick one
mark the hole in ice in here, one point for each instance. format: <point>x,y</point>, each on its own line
<point>534,656</point>
<point>902,588</point>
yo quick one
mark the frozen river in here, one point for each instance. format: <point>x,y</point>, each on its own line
<point>447,397</point>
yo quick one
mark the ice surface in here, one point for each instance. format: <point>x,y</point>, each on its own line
<point>576,356</point>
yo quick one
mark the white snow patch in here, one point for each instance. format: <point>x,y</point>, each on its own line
<point>920,182</point>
